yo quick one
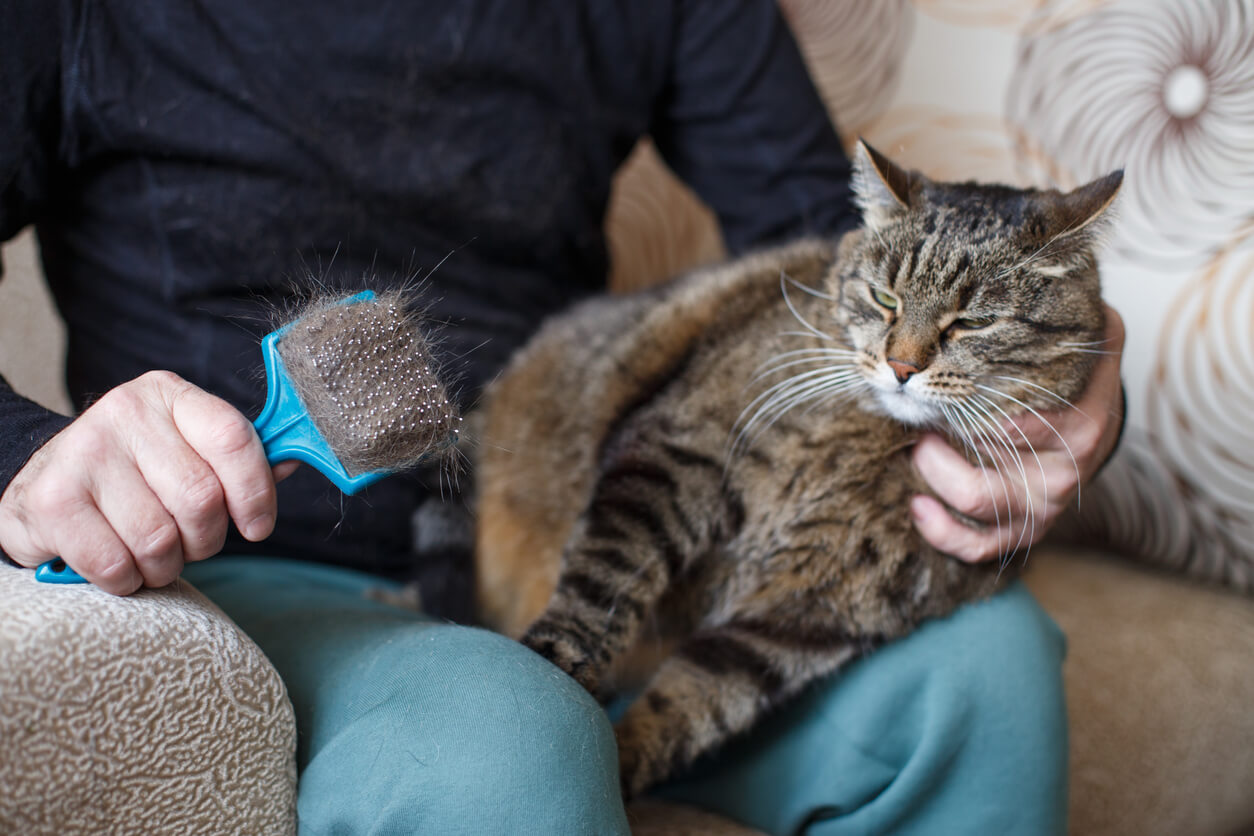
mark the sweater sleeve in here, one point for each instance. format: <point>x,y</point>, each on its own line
<point>26,427</point>
<point>741,122</point>
<point>30,87</point>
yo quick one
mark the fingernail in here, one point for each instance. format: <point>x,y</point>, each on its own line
<point>920,509</point>
<point>258,528</point>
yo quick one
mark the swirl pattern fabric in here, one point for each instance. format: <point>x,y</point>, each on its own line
<point>1163,90</point>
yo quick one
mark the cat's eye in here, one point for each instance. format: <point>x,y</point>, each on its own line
<point>973,323</point>
<point>884,298</point>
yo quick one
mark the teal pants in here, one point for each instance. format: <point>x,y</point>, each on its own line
<point>408,725</point>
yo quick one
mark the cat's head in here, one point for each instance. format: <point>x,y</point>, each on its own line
<point>971,299</point>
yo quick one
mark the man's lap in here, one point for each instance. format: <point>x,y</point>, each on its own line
<point>423,726</point>
<point>409,725</point>
<point>958,728</point>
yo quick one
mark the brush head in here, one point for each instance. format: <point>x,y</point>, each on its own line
<point>366,375</point>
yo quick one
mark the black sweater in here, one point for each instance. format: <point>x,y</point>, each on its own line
<point>188,165</point>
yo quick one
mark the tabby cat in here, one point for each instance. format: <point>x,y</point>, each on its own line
<point>717,470</point>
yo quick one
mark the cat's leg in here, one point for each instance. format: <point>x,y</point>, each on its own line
<point>716,686</point>
<point>653,509</point>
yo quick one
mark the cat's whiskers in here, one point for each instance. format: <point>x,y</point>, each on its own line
<point>1027,491</point>
<point>810,290</point>
<point>815,395</point>
<point>1051,427</point>
<point>956,420</point>
<point>812,351</point>
<point>821,398</point>
<point>1088,344</point>
<point>769,415</point>
<point>833,359</point>
<point>1032,449</point>
<point>1062,402</point>
<point>784,281</point>
<point>806,334</point>
<point>767,408</point>
<point>1022,381</point>
<point>801,390</point>
<point>996,442</point>
<point>788,359</point>
<point>801,378</point>
<point>781,367</point>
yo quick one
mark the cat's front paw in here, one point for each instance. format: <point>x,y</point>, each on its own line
<point>644,756</point>
<point>561,649</point>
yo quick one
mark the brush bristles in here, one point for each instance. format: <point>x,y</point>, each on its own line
<point>365,373</point>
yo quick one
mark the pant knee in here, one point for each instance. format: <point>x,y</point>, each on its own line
<point>1000,664</point>
<point>471,732</point>
<point>984,732</point>
<point>957,728</point>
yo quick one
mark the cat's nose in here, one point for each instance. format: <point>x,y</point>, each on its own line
<point>902,370</point>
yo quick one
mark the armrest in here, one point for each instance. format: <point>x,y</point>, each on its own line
<point>146,714</point>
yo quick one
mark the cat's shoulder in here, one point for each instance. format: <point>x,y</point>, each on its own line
<point>698,296</point>
<point>808,257</point>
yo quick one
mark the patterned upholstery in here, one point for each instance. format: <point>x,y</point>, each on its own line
<point>140,715</point>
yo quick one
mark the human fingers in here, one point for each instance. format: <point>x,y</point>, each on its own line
<point>963,541</point>
<point>149,533</point>
<point>1014,499</point>
<point>48,511</point>
<point>993,494</point>
<point>1087,430</point>
<point>123,463</point>
<point>226,441</point>
<point>282,470</point>
<point>162,464</point>
<point>90,546</point>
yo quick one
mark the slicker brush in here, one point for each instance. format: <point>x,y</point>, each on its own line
<point>364,371</point>
<point>351,389</point>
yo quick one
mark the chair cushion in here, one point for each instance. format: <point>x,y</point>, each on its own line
<point>1160,685</point>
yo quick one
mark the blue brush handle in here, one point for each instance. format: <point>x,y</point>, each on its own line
<point>286,431</point>
<point>57,571</point>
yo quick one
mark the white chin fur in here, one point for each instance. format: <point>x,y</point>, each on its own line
<point>907,408</point>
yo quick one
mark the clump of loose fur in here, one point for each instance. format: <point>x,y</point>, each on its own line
<point>717,471</point>
<point>368,379</point>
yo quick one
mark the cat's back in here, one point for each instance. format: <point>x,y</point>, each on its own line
<point>547,418</point>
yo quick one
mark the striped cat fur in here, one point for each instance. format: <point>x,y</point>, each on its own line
<point>703,488</point>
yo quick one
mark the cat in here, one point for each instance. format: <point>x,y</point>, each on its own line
<point>716,471</point>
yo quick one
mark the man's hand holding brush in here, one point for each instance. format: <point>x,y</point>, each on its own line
<point>145,480</point>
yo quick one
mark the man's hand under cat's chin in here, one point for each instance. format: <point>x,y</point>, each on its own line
<point>1017,512</point>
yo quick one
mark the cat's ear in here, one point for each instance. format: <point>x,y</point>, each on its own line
<point>881,188</point>
<point>1085,209</point>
